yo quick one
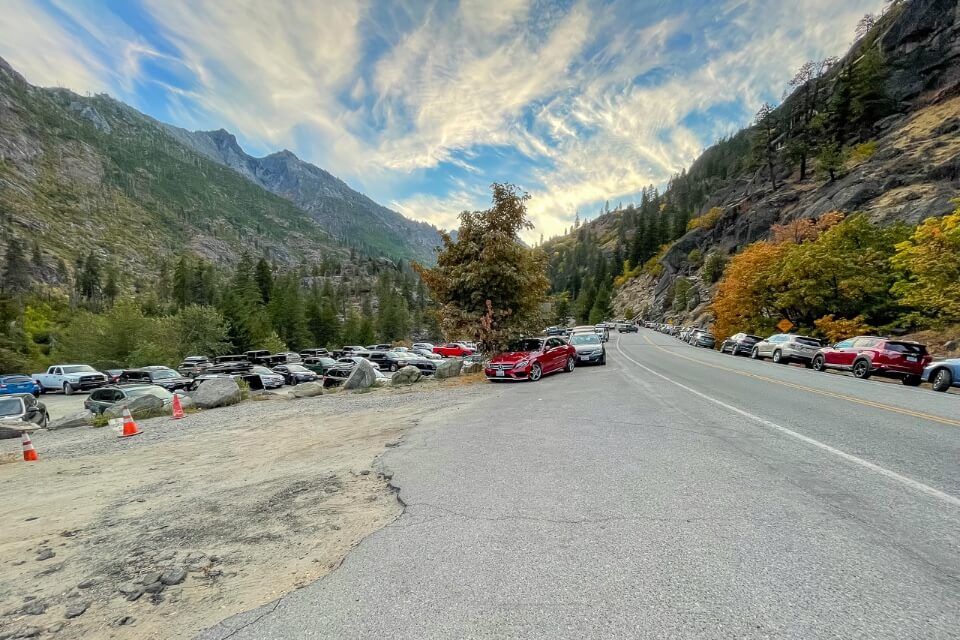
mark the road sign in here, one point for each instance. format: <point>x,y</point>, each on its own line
<point>784,325</point>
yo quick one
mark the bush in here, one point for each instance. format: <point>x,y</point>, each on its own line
<point>695,256</point>
<point>862,152</point>
<point>706,221</point>
<point>835,330</point>
<point>713,266</point>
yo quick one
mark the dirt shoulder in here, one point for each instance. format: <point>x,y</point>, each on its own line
<point>232,507</point>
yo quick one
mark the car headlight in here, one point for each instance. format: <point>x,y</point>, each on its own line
<point>522,364</point>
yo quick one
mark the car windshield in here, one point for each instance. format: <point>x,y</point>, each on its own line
<point>582,339</point>
<point>326,361</point>
<point>529,344</point>
<point>161,393</point>
<point>261,371</point>
<point>906,347</point>
<point>11,406</point>
<point>79,368</point>
<point>164,373</point>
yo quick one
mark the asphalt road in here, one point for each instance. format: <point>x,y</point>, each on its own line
<point>674,493</point>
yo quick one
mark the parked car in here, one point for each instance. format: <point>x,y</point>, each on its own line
<point>430,355</point>
<point>704,339</point>
<point>286,357</point>
<point>387,360</point>
<point>426,346</point>
<point>589,348</point>
<point>314,353</point>
<point>942,374</point>
<point>338,374</point>
<point>100,399</point>
<point>692,335</point>
<point>784,348</point>
<point>531,359</point>
<point>739,343</point>
<point>553,331</point>
<point>602,331</point>
<point>295,373</point>
<point>269,379</point>
<point>19,408</point>
<point>160,376</point>
<point>70,378</point>
<point>627,327</point>
<point>453,349</point>
<point>865,356</point>
<point>319,364</point>
<point>427,366</point>
<point>231,359</point>
<point>14,384</point>
<point>259,356</point>
<point>193,365</point>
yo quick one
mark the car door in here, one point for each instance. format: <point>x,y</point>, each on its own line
<point>861,345</point>
<point>842,354</point>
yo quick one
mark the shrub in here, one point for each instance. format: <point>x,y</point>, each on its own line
<point>834,330</point>
<point>695,256</point>
<point>706,221</point>
<point>862,152</point>
<point>713,266</point>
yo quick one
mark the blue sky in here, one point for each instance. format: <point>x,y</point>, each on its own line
<point>422,105</point>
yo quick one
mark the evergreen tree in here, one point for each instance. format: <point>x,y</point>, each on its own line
<point>16,274</point>
<point>264,276</point>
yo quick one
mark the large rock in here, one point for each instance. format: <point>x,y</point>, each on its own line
<point>216,392</point>
<point>407,375</point>
<point>473,367</point>
<point>308,390</point>
<point>140,407</point>
<point>186,402</point>
<point>82,419</point>
<point>449,368</point>
<point>362,377</point>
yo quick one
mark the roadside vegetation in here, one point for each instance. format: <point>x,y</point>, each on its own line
<point>836,277</point>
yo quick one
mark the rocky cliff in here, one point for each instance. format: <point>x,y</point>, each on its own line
<point>907,171</point>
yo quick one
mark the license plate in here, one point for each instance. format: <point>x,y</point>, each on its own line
<point>499,373</point>
<point>584,357</point>
<point>911,358</point>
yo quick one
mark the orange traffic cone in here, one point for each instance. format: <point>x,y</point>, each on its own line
<point>129,426</point>
<point>29,453</point>
<point>177,408</point>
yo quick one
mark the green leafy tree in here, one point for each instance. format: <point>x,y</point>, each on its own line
<point>487,284</point>
<point>929,267</point>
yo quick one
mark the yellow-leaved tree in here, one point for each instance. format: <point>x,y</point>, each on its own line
<point>929,262</point>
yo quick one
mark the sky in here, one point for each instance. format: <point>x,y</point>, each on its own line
<point>423,104</point>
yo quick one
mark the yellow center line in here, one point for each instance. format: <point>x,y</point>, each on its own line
<point>830,394</point>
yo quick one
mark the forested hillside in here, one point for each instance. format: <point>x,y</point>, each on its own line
<point>873,132</point>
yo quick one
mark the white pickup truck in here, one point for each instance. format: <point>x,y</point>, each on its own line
<point>70,378</point>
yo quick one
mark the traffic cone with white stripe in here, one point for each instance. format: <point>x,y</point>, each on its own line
<point>29,453</point>
<point>129,426</point>
<point>177,408</point>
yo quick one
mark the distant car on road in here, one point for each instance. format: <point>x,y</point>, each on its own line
<point>453,350</point>
<point>865,356</point>
<point>531,359</point>
<point>101,399</point>
<point>942,374</point>
<point>14,384</point>
<point>739,343</point>
<point>627,327</point>
<point>784,348</point>
<point>589,348</point>
<point>70,378</point>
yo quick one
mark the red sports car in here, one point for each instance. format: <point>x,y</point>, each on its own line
<point>453,350</point>
<point>531,359</point>
<point>871,355</point>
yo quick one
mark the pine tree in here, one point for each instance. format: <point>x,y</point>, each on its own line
<point>16,274</point>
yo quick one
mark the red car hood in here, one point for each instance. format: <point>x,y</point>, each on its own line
<point>513,357</point>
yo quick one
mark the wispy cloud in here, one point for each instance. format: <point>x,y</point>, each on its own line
<point>423,104</point>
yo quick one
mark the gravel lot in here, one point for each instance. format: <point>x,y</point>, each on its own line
<point>163,534</point>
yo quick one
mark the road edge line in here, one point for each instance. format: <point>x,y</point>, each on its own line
<point>893,475</point>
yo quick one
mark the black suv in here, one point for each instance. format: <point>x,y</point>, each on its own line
<point>739,343</point>
<point>388,360</point>
<point>160,376</point>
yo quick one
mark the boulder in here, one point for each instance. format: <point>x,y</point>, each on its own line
<point>473,367</point>
<point>140,407</point>
<point>449,368</point>
<point>308,390</point>
<point>81,419</point>
<point>216,392</point>
<point>362,377</point>
<point>186,402</point>
<point>406,375</point>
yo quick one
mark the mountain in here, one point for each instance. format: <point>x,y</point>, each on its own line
<point>351,217</point>
<point>877,131</point>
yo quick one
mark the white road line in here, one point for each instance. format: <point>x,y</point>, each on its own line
<point>913,484</point>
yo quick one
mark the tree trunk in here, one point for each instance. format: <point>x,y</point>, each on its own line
<point>803,167</point>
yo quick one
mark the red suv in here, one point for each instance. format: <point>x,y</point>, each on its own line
<point>869,355</point>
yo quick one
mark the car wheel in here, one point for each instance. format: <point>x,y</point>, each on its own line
<point>912,381</point>
<point>778,357</point>
<point>67,389</point>
<point>818,363</point>
<point>393,367</point>
<point>42,390</point>
<point>603,359</point>
<point>942,379</point>
<point>755,354</point>
<point>46,420</point>
<point>861,369</point>
<point>535,373</point>
<point>571,364</point>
